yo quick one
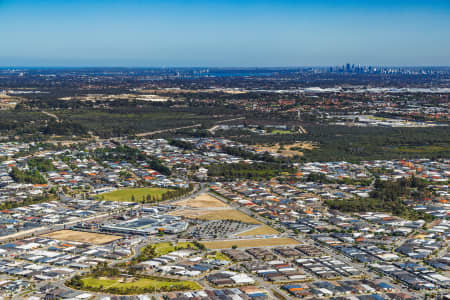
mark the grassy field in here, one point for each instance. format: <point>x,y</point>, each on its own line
<point>125,195</point>
<point>186,245</point>
<point>249,243</point>
<point>137,285</point>
<point>219,256</point>
<point>164,248</point>
<point>202,201</point>
<point>278,131</point>
<point>82,237</point>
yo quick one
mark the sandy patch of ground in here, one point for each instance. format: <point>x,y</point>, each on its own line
<point>82,237</point>
<point>220,214</point>
<point>261,230</point>
<point>249,243</point>
<point>287,150</point>
<point>227,214</point>
<point>202,201</point>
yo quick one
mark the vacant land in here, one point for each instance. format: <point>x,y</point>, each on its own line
<point>220,214</point>
<point>278,131</point>
<point>262,230</point>
<point>192,213</point>
<point>82,237</point>
<point>202,201</point>
<point>249,243</point>
<point>287,150</point>
<point>140,194</point>
<point>163,248</point>
<point>227,214</point>
<point>219,256</point>
<point>166,247</point>
<point>129,286</point>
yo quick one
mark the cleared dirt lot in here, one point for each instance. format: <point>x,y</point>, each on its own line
<point>262,230</point>
<point>82,237</point>
<point>249,243</point>
<point>207,207</point>
<point>227,214</point>
<point>288,150</point>
<point>219,214</point>
<point>202,201</point>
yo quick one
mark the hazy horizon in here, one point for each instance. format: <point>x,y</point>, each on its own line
<point>210,67</point>
<point>200,33</point>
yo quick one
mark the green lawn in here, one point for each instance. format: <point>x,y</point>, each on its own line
<point>278,131</point>
<point>186,245</point>
<point>127,194</point>
<point>136,286</point>
<point>377,118</point>
<point>219,256</point>
<point>164,248</point>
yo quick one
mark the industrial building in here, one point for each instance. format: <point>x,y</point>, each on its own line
<point>148,225</point>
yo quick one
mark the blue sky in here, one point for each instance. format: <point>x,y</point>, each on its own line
<point>223,33</point>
